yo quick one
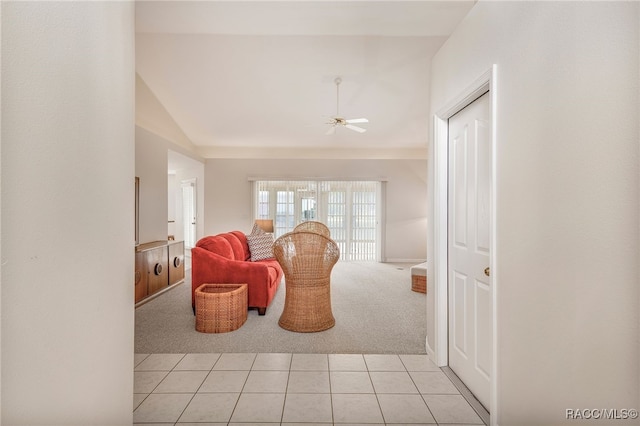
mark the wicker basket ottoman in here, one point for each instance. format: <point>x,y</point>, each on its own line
<point>419,278</point>
<point>220,308</point>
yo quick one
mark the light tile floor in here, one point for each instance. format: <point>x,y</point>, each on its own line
<point>294,389</point>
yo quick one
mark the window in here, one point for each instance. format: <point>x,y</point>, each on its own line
<point>350,209</point>
<point>263,204</point>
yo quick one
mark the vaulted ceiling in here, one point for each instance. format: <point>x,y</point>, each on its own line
<point>259,75</point>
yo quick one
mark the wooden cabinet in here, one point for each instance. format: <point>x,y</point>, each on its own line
<point>159,266</point>
<point>140,277</point>
<point>176,262</point>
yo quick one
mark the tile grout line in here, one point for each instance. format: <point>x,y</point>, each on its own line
<point>333,420</point>
<point>160,382</point>
<point>286,389</point>
<point>375,391</point>
<point>419,393</point>
<point>134,371</point>
<point>199,387</point>
<point>243,386</point>
<point>192,396</point>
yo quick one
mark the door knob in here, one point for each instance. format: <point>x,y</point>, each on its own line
<point>487,271</point>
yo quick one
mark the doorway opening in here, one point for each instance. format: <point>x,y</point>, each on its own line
<point>189,214</point>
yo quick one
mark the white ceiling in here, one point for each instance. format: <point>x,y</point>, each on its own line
<point>260,74</point>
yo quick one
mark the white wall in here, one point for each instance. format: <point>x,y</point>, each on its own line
<point>228,203</point>
<point>152,116</point>
<point>151,168</point>
<point>160,193</point>
<point>67,229</point>
<point>173,198</point>
<point>567,199</point>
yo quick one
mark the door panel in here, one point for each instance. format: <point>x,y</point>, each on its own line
<point>461,191</point>
<point>460,319</point>
<point>483,321</point>
<point>470,326</point>
<point>483,187</point>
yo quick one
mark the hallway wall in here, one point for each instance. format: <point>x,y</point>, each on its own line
<point>567,199</point>
<point>67,213</point>
<point>151,167</point>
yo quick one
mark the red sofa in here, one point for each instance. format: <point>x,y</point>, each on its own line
<point>226,259</point>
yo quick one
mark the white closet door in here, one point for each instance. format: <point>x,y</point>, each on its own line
<point>470,341</point>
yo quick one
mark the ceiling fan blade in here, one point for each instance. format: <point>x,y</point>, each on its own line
<point>357,120</point>
<point>331,130</point>
<point>356,128</point>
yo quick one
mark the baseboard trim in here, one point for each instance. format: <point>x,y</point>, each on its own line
<point>466,394</point>
<point>401,260</point>
<point>430,351</point>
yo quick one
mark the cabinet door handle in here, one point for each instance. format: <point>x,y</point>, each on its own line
<point>177,261</point>
<point>157,269</point>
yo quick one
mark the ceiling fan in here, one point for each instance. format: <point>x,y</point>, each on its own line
<point>340,121</point>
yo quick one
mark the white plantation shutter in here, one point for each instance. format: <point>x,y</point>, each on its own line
<point>337,219</point>
<point>364,221</point>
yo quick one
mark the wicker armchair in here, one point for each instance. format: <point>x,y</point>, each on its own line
<point>307,259</point>
<point>312,226</point>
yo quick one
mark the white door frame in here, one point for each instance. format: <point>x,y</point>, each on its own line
<point>193,182</point>
<point>441,305</point>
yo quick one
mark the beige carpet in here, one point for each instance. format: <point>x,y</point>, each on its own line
<point>376,312</point>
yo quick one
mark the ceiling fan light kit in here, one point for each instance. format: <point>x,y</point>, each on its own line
<point>337,120</point>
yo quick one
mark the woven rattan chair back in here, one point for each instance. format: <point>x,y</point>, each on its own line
<point>312,226</point>
<point>307,259</point>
